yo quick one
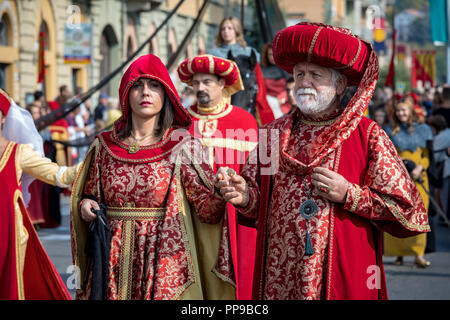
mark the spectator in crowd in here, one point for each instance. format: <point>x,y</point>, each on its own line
<point>99,112</point>
<point>34,110</point>
<point>112,112</point>
<point>410,139</point>
<point>64,95</point>
<point>441,149</point>
<point>290,83</point>
<point>380,117</point>
<point>38,98</point>
<point>231,38</point>
<point>275,82</point>
<point>188,97</point>
<point>444,108</point>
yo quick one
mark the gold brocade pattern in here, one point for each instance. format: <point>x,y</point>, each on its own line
<point>6,154</point>
<point>21,244</point>
<point>152,254</point>
<point>289,273</point>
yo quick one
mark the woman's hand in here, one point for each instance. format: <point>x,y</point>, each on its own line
<point>415,174</point>
<point>86,213</point>
<point>232,188</point>
<point>329,185</point>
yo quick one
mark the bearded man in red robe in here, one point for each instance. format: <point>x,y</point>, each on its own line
<point>333,182</point>
<point>229,133</point>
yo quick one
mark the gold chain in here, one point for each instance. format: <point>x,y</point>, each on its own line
<point>141,138</point>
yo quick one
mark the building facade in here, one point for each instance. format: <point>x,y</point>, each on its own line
<point>117,29</point>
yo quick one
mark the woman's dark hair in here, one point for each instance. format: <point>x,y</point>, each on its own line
<point>438,122</point>
<point>264,59</point>
<point>165,120</point>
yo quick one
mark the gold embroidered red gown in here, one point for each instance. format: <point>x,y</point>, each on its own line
<point>163,212</point>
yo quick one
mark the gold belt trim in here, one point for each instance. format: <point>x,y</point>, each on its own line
<point>129,215</point>
<point>124,213</point>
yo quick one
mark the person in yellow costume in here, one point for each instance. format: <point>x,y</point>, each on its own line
<point>410,140</point>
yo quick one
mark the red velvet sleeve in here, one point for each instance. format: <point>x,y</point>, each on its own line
<point>197,178</point>
<point>388,195</point>
<point>252,175</point>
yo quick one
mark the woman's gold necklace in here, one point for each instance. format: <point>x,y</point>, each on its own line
<point>134,146</point>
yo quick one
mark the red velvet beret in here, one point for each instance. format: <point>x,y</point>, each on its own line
<point>324,45</point>
<point>5,102</point>
<point>209,64</point>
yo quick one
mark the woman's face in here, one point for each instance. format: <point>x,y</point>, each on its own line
<point>146,98</point>
<point>403,112</point>
<point>228,33</point>
<point>380,117</point>
<point>270,56</point>
<point>2,120</point>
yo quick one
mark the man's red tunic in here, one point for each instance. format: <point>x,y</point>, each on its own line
<point>229,136</point>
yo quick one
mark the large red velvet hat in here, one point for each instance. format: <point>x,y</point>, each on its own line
<point>5,102</point>
<point>324,45</point>
<point>206,63</point>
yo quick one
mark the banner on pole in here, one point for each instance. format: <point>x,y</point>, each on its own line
<point>423,67</point>
<point>77,44</point>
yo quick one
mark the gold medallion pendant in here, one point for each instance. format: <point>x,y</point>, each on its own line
<point>133,148</point>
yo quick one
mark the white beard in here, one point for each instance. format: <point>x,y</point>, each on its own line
<point>311,103</point>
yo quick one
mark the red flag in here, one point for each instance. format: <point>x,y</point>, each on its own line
<point>391,74</point>
<point>41,59</point>
<point>413,70</point>
<point>423,67</point>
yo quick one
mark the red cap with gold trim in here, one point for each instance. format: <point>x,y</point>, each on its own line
<point>223,68</point>
<point>324,45</point>
<point>5,102</point>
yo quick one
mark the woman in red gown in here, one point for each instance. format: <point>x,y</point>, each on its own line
<point>163,212</point>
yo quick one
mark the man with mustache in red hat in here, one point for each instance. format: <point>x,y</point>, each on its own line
<point>229,133</point>
<point>339,183</point>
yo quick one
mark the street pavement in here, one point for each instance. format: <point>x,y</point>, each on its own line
<point>403,282</point>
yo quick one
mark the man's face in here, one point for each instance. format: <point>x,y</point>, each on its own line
<point>208,89</point>
<point>66,93</point>
<point>35,112</point>
<point>290,93</point>
<point>314,89</point>
<point>2,120</point>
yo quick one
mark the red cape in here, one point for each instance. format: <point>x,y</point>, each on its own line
<point>264,112</point>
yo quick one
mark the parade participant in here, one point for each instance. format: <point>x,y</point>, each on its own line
<point>411,141</point>
<point>230,38</point>
<point>27,272</point>
<point>334,182</point>
<point>163,213</point>
<point>229,133</point>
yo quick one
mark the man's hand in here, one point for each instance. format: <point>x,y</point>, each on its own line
<point>415,174</point>
<point>232,188</point>
<point>329,185</point>
<point>86,213</point>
